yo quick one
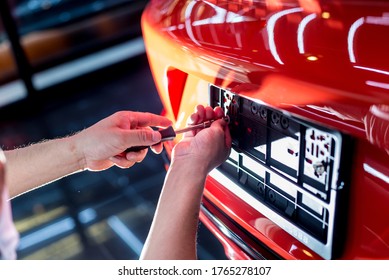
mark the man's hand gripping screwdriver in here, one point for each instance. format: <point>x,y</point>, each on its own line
<point>169,133</point>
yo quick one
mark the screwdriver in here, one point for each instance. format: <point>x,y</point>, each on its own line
<point>169,133</point>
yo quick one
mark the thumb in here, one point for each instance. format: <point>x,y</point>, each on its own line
<point>143,137</point>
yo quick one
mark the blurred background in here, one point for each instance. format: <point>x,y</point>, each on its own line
<point>64,65</point>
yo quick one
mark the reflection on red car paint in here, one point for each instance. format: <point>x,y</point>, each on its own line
<point>319,66</point>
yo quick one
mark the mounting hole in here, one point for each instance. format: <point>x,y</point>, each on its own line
<point>254,108</point>
<point>261,188</point>
<point>284,122</point>
<point>272,196</point>
<point>275,118</point>
<point>263,112</point>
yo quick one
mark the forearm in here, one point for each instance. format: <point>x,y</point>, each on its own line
<point>174,229</point>
<point>40,163</point>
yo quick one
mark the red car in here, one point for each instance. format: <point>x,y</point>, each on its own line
<point>306,86</point>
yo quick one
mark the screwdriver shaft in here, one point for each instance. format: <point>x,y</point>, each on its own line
<point>194,127</point>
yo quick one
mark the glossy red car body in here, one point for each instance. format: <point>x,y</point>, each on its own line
<point>317,63</point>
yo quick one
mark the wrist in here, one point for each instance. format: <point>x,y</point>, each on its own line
<point>76,151</point>
<point>189,167</point>
<point>185,180</point>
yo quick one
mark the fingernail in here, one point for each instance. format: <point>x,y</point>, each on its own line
<point>156,136</point>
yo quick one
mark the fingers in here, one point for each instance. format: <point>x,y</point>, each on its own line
<point>141,137</point>
<point>141,134</point>
<point>129,159</point>
<point>144,137</point>
<point>209,114</point>
<point>195,117</point>
<point>203,114</point>
<point>140,119</point>
<point>222,135</point>
<point>227,135</point>
<point>218,112</point>
<point>222,126</point>
<point>136,156</point>
<point>157,149</point>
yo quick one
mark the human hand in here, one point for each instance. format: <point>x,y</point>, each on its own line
<point>207,148</point>
<point>101,145</point>
<point>192,159</point>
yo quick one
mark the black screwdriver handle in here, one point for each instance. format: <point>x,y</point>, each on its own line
<point>136,149</point>
<point>167,134</point>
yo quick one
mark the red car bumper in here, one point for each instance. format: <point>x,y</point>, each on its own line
<point>307,87</point>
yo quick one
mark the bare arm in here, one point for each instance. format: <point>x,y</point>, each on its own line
<point>96,148</point>
<point>39,164</point>
<point>174,230</point>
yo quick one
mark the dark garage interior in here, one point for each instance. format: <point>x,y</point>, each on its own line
<point>64,65</point>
